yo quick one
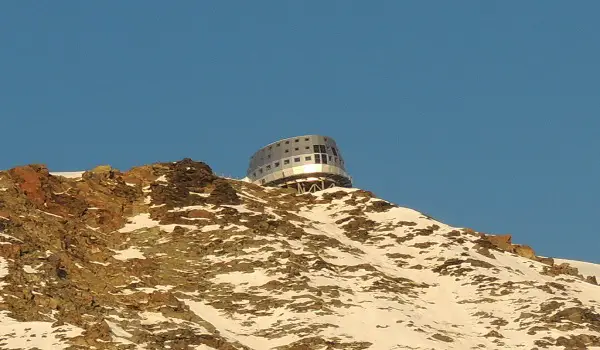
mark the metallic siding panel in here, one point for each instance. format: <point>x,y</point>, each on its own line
<point>302,170</point>
<point>278,153</point>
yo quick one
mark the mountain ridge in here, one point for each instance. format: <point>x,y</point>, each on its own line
<point>169,255</point>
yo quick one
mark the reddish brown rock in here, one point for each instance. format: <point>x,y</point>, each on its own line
<point>10,251</point>
<point>31,181</point>
<point>503,242</point>
<point>524,251</point>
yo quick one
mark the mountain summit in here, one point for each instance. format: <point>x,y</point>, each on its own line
<point>171,256</point>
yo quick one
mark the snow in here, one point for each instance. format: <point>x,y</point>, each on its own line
<point>149,318</point>
<point>47,213</point>
<point>200,194</point>
<point>3,273</point>
<point>9,237</point>
<point>245,194</point>
<point>241,208</point>
<point>29,269</point>
<point>209,228</point>
<point>242,280</point>
<point>34,335</point>
<point>585,268</point>
<point>139,221</point>
<point>352,304</point>
<point>143,221</point>
<point>233,331</point>
<point>203,347</point>
<point>68,174</point>
<point>128,254</point>
<point>119,335</point>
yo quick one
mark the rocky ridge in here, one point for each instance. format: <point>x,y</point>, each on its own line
<point>170,256</point>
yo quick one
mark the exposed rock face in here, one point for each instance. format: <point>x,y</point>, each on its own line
<point>504,242</point>
<point>169,255</point>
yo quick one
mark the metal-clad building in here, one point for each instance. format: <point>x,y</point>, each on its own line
<point>307,163</point>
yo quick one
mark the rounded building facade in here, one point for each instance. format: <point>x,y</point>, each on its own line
<point>306,163</point>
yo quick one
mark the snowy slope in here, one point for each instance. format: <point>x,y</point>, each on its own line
<point>339,269</point>
<point>586,268</point>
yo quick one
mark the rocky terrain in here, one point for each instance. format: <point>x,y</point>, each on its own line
<point>170,256</point>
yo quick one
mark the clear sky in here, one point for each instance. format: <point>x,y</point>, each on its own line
<point>482,114</point>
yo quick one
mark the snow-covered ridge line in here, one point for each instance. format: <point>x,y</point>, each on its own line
<point>585,268</point>
<point>68,174</point>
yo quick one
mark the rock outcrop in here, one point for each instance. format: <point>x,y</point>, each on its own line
<point>169,255</point>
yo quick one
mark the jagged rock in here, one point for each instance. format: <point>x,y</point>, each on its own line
<point>562,269</point>
<point>169,255</point>
<point>493,334</point>
<point>32,181</point>
<point>223,193</point>
<point>503,242</point>
<point>524,251</point>
<point>442,337</point>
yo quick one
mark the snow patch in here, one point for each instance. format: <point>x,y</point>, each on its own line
<point>29,269</point>
<point>35,335</point>
<point>3,273</point>
<point>139,221</point>
<point>68,174</point>
<point>47,213</point>
<point>128,254</point>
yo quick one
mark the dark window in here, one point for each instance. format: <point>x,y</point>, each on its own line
<point>323,149</point>
<point>297,159</point>
<point>306,139</point>
<point>278,144</point>
<point>287,161</point>
<point>287,150</point>
<point>326,139</point>
<point>324,157</point>
<point>336,159</point>
<point>316,148</point>
<point>317,158</point>
<point>287,142</point>
<point>307,158</point>
<point>268,167</point>
<point>334,151</point>
<point>270,147</point>
<point>276,164</point>
<point>296,149</point>
<point>254,174</point>
<point>330,158</point>
<point>297,140</point>
<point>263,181</point>
<point>268,156</point>
<point>260,170</point>
<point>307,147</point>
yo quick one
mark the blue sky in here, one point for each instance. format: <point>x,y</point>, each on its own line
<point>481,114</point>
